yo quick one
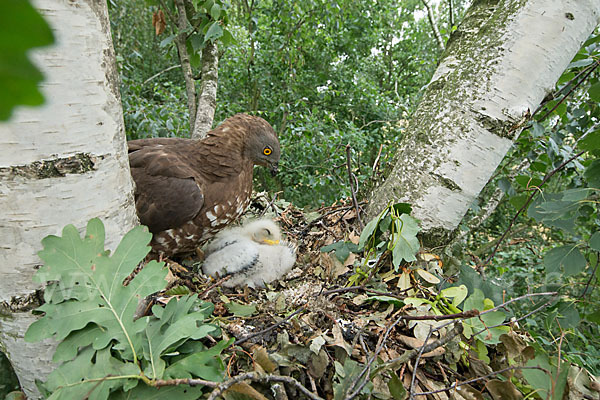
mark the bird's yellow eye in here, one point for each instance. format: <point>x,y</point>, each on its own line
<point>267,151</point>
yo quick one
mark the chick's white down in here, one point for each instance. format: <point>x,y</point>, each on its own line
<point>252,254</point>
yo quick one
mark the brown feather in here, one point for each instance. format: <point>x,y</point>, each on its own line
<point>187,190</point>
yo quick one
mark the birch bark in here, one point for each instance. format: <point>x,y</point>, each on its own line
<point>207,99</point>
<point>500,63</point>
<point>62,163</point>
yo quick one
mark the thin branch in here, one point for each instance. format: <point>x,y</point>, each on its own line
<point>591,69</point>
<point>592,275</point>
<point>510,322</point>
<point>183,381</point>
<point>426,348</point>
<point>415,368</point>
<point>376,162</point>
<point>253,376</point>
<point>479,378</point>
<point>436,31</point>
<point>160,73</point>
<point>262,332</point>
<point>353,185</point>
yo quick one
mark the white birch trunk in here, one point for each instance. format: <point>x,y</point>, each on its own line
<point>207,100</point>
<point>65,162</point>
<point>504,58</point>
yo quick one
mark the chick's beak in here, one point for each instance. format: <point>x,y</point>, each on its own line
<point>271,242</point>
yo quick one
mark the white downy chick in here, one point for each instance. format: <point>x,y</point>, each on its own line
<point>251,253</point>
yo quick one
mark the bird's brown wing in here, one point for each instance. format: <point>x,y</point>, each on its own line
<point>137,144</point>
<point>167,194</point>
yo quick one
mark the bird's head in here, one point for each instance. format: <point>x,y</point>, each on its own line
<point>263,231</point>
<point>262,145</point>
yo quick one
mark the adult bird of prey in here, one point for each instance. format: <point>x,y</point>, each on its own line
<point>252,254</point>
<point>187,190</point>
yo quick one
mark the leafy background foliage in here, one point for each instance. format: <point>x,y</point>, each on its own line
<point>324,74</point>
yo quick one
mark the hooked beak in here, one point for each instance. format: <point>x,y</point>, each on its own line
<point>271,242</point>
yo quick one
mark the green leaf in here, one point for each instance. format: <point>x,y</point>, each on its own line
<point>406,244</point>
<point>581,63</point>
<point>21,29</point>
<point>214,32</point>
<point>456,293</point>
<point>518,201</point>
<point>568,316</point>
<point>483,322</point>
<point>591,141</point>
<point>166,41</point>
<point>241,310</point>
<point>228,38</point>
<point>215,11</point>
<point>595,241</point>
<point>396,388</point>
<point>594,317</point>
<point>567,258</point>
<point>203,364</point>
<point>174,324</point>
<point>181,392</point>
<point>539,379</point>
<point>386,299</point>
<point>83,263</point>
<point>85,376</point>
<point>592,173</point>
<point>342,249</point>
<point>368,231</point>
<point>402,208</point>
<point>594,92</point>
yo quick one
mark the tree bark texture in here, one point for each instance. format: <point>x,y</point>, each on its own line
<point>207,99</point>
<point>184,58</point>
<point>498,65</point>
<point>65,162</point>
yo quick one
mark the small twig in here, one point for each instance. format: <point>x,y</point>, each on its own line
<point>160,73</point>
<point>592,275</point>
<point>434,28</point>
<point>365,289</point>
<point>410,354</point>
<point>591,69</point>
<point>479,378</point>
<point>529,199</point>
<point>378,121</point>
<point>271,204</point>
<point>184,381</point>
<point>262,332</point>
<point>353,186</point>
<point>507,302</point>
<point>374,168</point>
<point>465,314</point>
<point>414,374</point>
<point>217,283</point>
<point>220,388</point>
<point>546,304</point>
